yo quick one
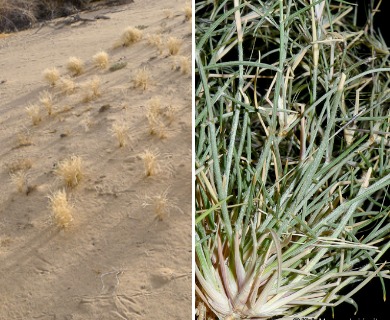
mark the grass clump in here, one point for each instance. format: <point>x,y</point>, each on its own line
<point>19,180</point>
<point>129,36</point>
<point>75,66</point>
<point>188,11</point>
<point>151,165</point>
<point>91,89</point>
<point>51,75</point>
<point>174,45</point>
<point>34,113</point>
<point>67,85</point>
<point>71,171</point>
<point>101,60</point>
<point>46,99</point>
<point>61,209</point>
<point>291,217</point>
<point>120,132</point>
<point>142,79</point>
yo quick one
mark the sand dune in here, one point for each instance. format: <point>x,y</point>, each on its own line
<point>127,252</point>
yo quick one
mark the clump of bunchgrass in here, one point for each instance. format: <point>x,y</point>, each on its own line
<point>46,99</point>
<point>156,41</point>
<point>142,79</point>
<point>101,60</point>
<point>151,162</point>
<point>188,11</point>
<point>19,180</point>
<point>120,132</point>
<point>173,45</point>
<point>75,66</point>
<point>51,75</point>
<point>71,171</point>
<point>129,36</point>
<point>67,85</point>
<point>292,179</point>
<point>34,112</point>
<point>91,89</point>
<point>62,210</point>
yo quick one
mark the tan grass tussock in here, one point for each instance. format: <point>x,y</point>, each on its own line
<point>46,99</point>
<point>19,179</point>
<point>142,79</point>
<point>120,131</point>
<point>34,112</point>
<point>91,89</point>
<point>101,60</point>
<point>71,171</point>
<point>61,209</point>
<point>51,75</point>
<point>174,45</point>
<point>75,66</point>
<point>129,36</point>
<point>151,165</point>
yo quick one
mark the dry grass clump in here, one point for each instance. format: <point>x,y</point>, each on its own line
<point>24,139</point>
<point>185,64</point>
<point>154,106</point>
<point>188,11</point>
<point>151,165</point>
<point>156,41</point>
<point>101,60</point>
<point>91,89</point>
<point>75,66</point>
<point>61,209</point>
<point>120,131</point>
<point>162,205</point>
<point>67,85</point>
<point>174,45</point>
<point>71,171</point>
<point>51,75</point>
<point>23,164</point>
<point>46,99</point>
<point>34,112</point>
<point>142,79</point>
<point>19,179</point>
<point>129,36</point>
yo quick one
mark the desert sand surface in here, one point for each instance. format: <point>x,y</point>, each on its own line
<point>126,253</point>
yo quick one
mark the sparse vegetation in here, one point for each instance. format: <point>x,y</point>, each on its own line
<point>142,79</point>
<point>51,75</point>
<point>19,179</point>
<point>173,45</point>
<point>22,164</point>
<point>67,85</point>
<point>129,36</point>
<point>156,41</point>
<point>91,89</point>
<point>151,165</point>
<point>188,11</point>
<point>71,171</point>
<point>120,131</point>
<point>185,64</point>
<point>61,209</point>
<point>75,66</point>
<point>46,99</point>
<point>34,112</point>
<point>101,60</point>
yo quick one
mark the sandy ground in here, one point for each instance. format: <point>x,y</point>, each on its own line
<point>117,259</point>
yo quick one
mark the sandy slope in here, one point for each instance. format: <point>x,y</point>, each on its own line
<point>116,261</point>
